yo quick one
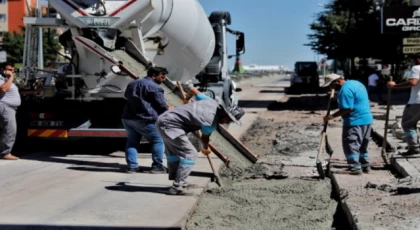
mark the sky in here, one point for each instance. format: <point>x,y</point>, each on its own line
<point>275,30</point>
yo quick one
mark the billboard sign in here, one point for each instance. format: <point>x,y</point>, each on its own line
<point>411,41</point>
<point>411,49</point>
<point>401,19</point>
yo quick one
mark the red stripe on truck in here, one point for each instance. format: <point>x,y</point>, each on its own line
<point>122,8</point>
<point>75,7</point>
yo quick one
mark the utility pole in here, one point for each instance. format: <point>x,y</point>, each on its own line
<point>40,39</point>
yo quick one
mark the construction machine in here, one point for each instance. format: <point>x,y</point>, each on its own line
<point>109,44</point>
<point>305,78</point>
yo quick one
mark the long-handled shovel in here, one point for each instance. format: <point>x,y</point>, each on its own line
<point>384,142</point>
<point>323,137</point>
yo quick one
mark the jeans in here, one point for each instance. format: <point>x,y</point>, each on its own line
<point>136,129</point>
<point>411,116</point>
<point>375,90</point>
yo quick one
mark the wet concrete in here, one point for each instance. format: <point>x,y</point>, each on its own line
<point>270,194</point>
<point>283,204</point>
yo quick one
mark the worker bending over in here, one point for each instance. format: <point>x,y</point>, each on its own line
<point>411,114</point>
<point>203,114</point>
<point>354,108</point>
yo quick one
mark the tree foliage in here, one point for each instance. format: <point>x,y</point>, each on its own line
<point>13,44</point>
<point>349,29</point>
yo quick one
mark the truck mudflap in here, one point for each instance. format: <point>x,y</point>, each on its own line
<point>113,133</point>
<point>65,133</point>
<point>48,133</point>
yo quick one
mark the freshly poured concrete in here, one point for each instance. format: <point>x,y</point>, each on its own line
<point>270,195</point>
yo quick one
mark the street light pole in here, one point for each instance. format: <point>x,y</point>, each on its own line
<point>382,16</point>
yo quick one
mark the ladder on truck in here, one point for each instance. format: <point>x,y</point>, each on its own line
<point>32,52</point>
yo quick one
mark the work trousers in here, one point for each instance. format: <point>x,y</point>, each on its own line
<point>411,117</point>
<point>136,129</point>
<point>8,129</point>
<point>355,145</point>
<point>181,156</point>
<point>375,90</point>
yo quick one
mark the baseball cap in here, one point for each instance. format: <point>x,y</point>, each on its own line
<point>330,78</point>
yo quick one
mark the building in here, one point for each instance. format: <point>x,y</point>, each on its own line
<point>12,13</point>
<point>265,68</point>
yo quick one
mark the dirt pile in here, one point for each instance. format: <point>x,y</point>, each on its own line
<point>396,186</point>
<point>288,139</point>
<point>265,196</point>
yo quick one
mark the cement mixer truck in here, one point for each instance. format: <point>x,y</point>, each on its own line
<point>110,43</point>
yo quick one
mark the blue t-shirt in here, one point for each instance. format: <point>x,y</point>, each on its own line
<point>353,95</point>
<point>207,130</point>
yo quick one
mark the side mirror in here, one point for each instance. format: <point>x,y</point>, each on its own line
<point>238,90</point>
<point>116,69</point>
<point>240,43</point>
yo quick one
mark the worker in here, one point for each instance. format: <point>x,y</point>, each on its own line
<point>9,102</point>
<point>411,114</point>
<point>203,114</point>
<point>374,85</point>
<point>357,118</point>
<point>145,102</point>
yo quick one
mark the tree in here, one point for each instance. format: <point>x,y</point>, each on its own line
<point>13,44</point>
<point>349,29</point>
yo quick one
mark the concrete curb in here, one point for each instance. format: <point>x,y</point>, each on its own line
<point>399,163</point>
<point>404,167</point>
<point>342,196</point>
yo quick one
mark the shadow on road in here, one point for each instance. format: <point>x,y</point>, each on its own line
<point>302,103</point>
<point>76,227</point>
<point>124,187</point>
<point>272,91</point>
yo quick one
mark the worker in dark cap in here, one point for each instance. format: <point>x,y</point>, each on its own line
<point>145,102</point>
<point>411,114</point>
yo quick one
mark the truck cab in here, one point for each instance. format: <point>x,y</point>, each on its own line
<point>306,73</point>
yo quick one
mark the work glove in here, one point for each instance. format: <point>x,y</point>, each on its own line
<point>205,151</point>
<point>185,101</point>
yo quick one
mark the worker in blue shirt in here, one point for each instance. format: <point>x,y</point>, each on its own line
<point>145,102</point>
<point>354,108</point>
<point>203,114</point>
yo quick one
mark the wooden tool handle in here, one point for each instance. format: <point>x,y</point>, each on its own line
<point>211,164</point>
<point>178,83</point>
<point>329,109</point>
<point>388,105</point>
<point>131,74</point>
<point>222,157</point>
<point>320,147</point>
